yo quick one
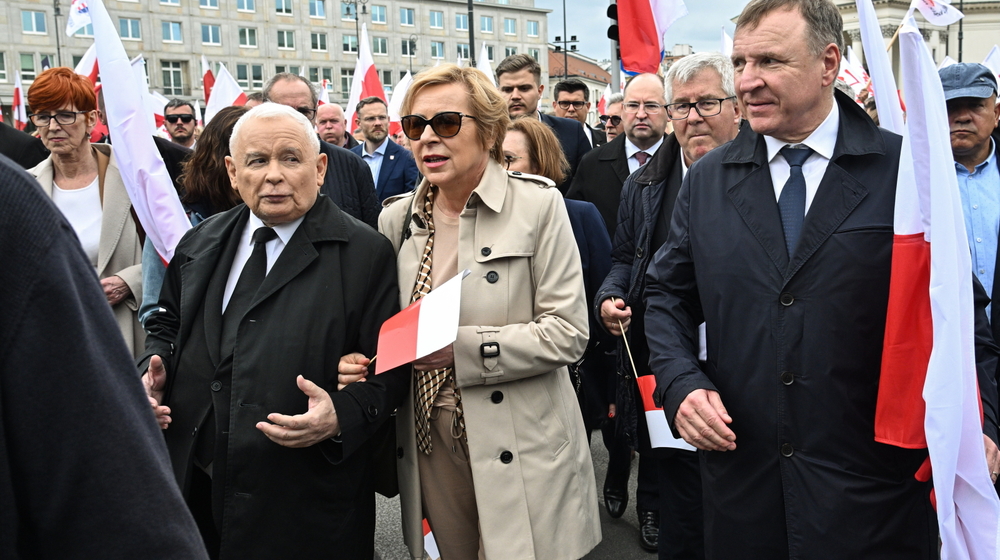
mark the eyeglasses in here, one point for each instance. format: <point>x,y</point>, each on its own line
<point>650,108</point>
<point>306,112</point>
<point>511,159</point>
<point>704,107</point>
<point>568,104</point>
<point>172,119</point>
<point>62,117</point>
<point>615,119</point>
<point>446,124</point>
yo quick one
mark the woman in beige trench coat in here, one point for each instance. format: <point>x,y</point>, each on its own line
<point>523,319</point>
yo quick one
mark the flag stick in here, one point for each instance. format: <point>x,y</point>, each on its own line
<point>625,338</point>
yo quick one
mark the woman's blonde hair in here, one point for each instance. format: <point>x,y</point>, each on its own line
<point>488,107</point>
<point>543,147</point>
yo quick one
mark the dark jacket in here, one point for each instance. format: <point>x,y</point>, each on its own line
<point>326,296</point>
<point>83,469</point>
<point>599,137</point>
<point>995,289</point>
<point>600,178</point>
<point>348,182</point>
<point>794,350</point>
<point>26,150</point>
<point>351,141</point>
<point>572,140</point>
<point>642,198</point>
<point>398,173</point>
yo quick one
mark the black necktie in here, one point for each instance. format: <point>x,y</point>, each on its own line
<point>641,157</point>
<point>792,202</point>
<point>250,280</point>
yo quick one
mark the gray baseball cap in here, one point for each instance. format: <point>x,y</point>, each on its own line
<point>967,79</point>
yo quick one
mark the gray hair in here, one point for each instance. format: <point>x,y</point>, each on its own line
<point>274,111</point>
<point>824,25</point>
<point>288,76</point>
<point>687,68</point>
<point>616,98</point>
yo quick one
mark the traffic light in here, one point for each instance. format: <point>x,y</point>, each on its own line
<point>613,16</point>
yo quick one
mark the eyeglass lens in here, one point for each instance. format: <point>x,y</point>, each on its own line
<point>63,118</point>
<point>172,119</point>
<point>445,125</point>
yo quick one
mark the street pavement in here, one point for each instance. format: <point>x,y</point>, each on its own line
<point>620,536</point>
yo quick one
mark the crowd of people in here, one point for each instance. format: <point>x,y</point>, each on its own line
<point>725,228</point>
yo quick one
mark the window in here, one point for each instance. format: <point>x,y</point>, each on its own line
<point>28,72</point>
<point>129,29</point>
<point>387,79</point>
<point>314,74</point>
<point>328,78</point>
<point>437,20</point>
<point>3,67</point>
<point>350,44</point>
<point>489,53</point>
<point>317,9</point>
<point>290,69</point>
<point>534,53</point>
<point>503,1</point>
<point>171,32</point>
<point>171,2</point>
<point>378,14</point>
<point>246,5</point>
<point>33,22</point>
<point>462,22</point>
<point>248,37</point>
<point>211,34</point>
<point>348,11</point>
<point>283,7</point>
<point>346,77</point>
<point>402,74</point>
<point>463,51</point>
<point>286,40</point>
<point>250,76</point>
<point>406,16</point>
<point>85,31</point>
<point>509,26</point>
<point>318,41</point>
<point>409,48</point>
<point>77,59</point>
<point>486,24</point>
<point>437,49</point>
<point>532,28</point>
<point>173,78</point>
<point>209,4</point>
<point>380,45</point>
<point>508,51</point>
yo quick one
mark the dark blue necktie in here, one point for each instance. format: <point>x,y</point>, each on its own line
<point>792,202</point>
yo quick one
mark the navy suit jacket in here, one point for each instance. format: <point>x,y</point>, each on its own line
<point>398,173</point>
<point>573,141</point>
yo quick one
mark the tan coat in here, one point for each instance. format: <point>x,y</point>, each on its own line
<point>119,253</point>
<point>543,503</point>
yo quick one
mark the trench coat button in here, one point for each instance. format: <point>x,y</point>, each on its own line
<point>506,457</point>
<point>787,450</point>
<point>496,397</point>
<point>399,452</point>
<point>486,251</point>
<point>787,377</point>
<point>372,410</point>
<point>492,277</point>
<point>786,299</point>
<point>216,386</point>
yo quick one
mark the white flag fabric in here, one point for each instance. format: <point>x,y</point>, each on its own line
<point>88,64</point>
<point>324,93</point>
<point>602,105</point>
<point>197,113</point>
<point>968,509</point>
<point>890,113</point>
<point>396,100</point>
<point>225,93</point>
<point>992,61</point>
<point>483,63</point>
<point>727,43</point>
<point>149,187</point>
<point>19,107</point>
<point>139,68</point>
<point>78,17</point>
<point>937,12</point>
<point>948,61</point>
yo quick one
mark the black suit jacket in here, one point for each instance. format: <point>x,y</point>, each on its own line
<point>348,183</point>
<point>26,150</point>
<point>573,141</point>
<point>600,178</point>
<point>599,136</point>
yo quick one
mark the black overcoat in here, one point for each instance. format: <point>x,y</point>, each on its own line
<point>326,296</point>
<point>794,350</point>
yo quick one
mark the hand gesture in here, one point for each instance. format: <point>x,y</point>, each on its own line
<point>614,310</point>
<point>701,420</point>
<point>303,430</point>
<point>155,382</point>
<point>352,368</point>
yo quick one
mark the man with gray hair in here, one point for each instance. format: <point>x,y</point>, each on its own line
<point>257,307</point>
<point>348,181</point>
<point>612,117</point>
<point>781,242</point>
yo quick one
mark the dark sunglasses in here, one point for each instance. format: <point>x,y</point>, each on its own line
<point>445,125</point>
<point>172,119</point>
<point>615,119</point>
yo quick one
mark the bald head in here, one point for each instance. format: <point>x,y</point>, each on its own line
<point>330,124</point>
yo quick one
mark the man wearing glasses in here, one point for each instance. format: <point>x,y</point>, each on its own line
<point>573,102</point>
<point>612,117</point>
<point>392,167</point>
<point>180,122</point>
<point>348,181</point>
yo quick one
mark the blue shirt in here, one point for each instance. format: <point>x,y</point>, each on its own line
<point>981,204</point>
<point>374,160</point>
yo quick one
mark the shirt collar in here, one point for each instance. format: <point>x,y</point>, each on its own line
<point>823,140</point>
<point>284,231</point>
<point>991,159</point>
<point>380,150</point>
<point>631,149</point>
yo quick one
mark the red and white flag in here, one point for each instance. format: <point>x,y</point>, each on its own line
<point>890,111</point>
<point>992,61</point>
<point>225,93</point>
<point>207,78</point>
<point>324,93</point>
<point>197,113</point>
<point>602,105</point>
<point>396,103</point>
<point>659,430</point>
<point>19,107</point>
<point>937,12</point>
<point>426,326</point>
<point>149,187</point>
<point>88,65</point>
<point>641,25</point>
<point>366,82</point>
<point>430,545</point>
<point>78,17</point>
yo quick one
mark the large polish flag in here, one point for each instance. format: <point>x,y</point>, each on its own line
<point>149,187</point>
<point>366,82</point>
<point>426,326</point>
<point>659,430</point>
<point>483,63</point>
<point>225,93</point>
<point>19,107</point>
<point>88,65</point>
<point>641,25</point>
<point>396,103</point>
<point>207,78</point>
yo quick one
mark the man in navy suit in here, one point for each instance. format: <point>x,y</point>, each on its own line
<point>393,168</point>
<point>519,78</point>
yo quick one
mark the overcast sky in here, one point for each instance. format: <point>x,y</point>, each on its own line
<point>701,28</point>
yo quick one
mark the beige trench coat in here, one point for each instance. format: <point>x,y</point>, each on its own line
<point>543,503</point>
<point>119,252</point>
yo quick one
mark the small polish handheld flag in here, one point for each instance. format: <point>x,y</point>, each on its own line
<point>641,25</point>
<point>396,102</point>
<point>430,545</point>
<point>602,105</point>
<point>207,78</point>
<point>87,66</point>
<point>427,325</point>
<point>20,104</point>
<point>366,82</point>
<point>992,61</point>
<point>938,12</point>
<point>225,93</point>
<point>659,430</point>
<point>78,18</point>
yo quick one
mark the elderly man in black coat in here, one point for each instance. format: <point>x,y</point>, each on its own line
<point>781,242</point>
<point>257,307</point>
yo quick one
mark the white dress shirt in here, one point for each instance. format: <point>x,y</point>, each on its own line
<point>588,134</point>
<point>273,247</point>
<point>822,141</point>
<point>374,159</point>
<point>631,149</point>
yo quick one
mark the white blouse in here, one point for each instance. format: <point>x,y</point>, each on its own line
<point>82,208</point>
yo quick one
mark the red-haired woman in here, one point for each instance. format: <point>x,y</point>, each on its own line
<point>84,183</point>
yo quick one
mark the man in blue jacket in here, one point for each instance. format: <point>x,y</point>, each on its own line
<point>393,169</point>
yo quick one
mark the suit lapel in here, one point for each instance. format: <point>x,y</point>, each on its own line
<point>754,200</point>
<point>620,165</point>
<point>208,275</point>
<point>388,161</point>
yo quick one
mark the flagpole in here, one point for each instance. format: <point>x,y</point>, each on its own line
<point>57,13</point>
<point>625,338</point>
